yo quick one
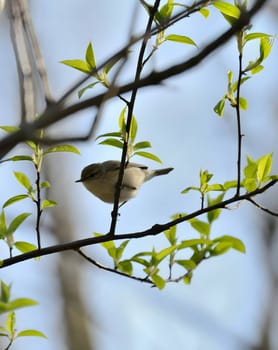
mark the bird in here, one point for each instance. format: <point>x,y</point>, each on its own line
<point>101,179</point>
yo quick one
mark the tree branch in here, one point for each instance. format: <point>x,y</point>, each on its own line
<point>154,230</point>
<point>56,112</point>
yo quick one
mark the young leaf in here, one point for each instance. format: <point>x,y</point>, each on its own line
<point>235,243</point>
<point>10,322</point>
<point>141,145</point>
<point>25,247</point>
<point>200,226</point>
<point>264,165</point>
<point>31,333</point>
<point>187,264</point>
<point>180,39</point>
<point>227,9</point>
<point>9,129</point>
<point>90,58</point>
<point>14,199</point>
<point>125,266</point>
<point>47,203</point>
<point>78,64</point>
<point>112,142</point>
<point>17,158</point>
<point>5,292</point>
<point>133,130</point>
<point>16,222</point>
<point>23,180</point>
<point>61,148</point>
<point>158,281</point>
<point>149,156</point>
<point>90,86</point>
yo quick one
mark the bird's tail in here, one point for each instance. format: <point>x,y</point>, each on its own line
<point>162,171</point>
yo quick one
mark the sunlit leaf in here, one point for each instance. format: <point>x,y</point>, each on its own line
<point>187,264</point>
<point>90,58</point>
<point>149,156</point>
<point>31,333</point>
<point>90,86</point>
<point>219,107</point>
<point>61,148</point>
<point>112,142</point>
<point>158,281</point>
<point>25,247</point>
<point>14,199</point>
<point>78,64</point>
<point>17,221</point>
<point>180,39</point>
<point>23,180</point>
<point>47,203</point>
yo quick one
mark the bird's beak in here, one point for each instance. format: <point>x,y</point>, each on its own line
<point>78,180</point>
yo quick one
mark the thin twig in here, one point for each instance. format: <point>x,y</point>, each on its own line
<point>106,268</point>
<point>239,134</point>
<point>131,105</point>
<point>273,213</point>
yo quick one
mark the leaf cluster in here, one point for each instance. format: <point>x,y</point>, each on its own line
<point>7,305</point>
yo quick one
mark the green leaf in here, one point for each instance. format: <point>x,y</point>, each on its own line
<point>158,281</point>
<point>235,243</point>
<point>200,226</point>
<point>14,199</point>
<point>61,148</point>
<point>187,278</point>
<point>125,266</point>
<point>227,9</point>
<point>133,130</point>
<point>78,64</point>
<point>44,184</point>
<point>264,165</point>
<point>121,248</point>
<point>230,184</point>
<point>111,64</point>
<point>142,144</point>
<point>187,264</point>
<point>3,227</point>
<point>47,203</point>
<point>250,184</point>
<point>90,57</point>
<point>250,171</point>
<point>243,103</point>
<point>220,248</point>
<point>171,235</point>
<point>9,129</point>
<point>204,12</point>
<point>122,124</point>
<point>112,142</point>
<point>16,304</point>
<point>17,158</point>
<point>166,10</point>
<point>10,322</point>
<point>25,247</point>
<point>165,252</point>
<point>253,36</point>
<point>16,222</point>
<point>219,107</point>
<point>149,156</point>
<point>193,243</point>
<point>114,134</point>
<point>265,47</point>
<point>23,180</point>
<point>187,189</point>
<point>5,292</point>
<point>90,86</point>
<point>31,333</point>
<point>215,187</point>
<point>180,39</point>
<point>214,214</point>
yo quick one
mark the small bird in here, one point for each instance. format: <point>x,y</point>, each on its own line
<point>101,179</point>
